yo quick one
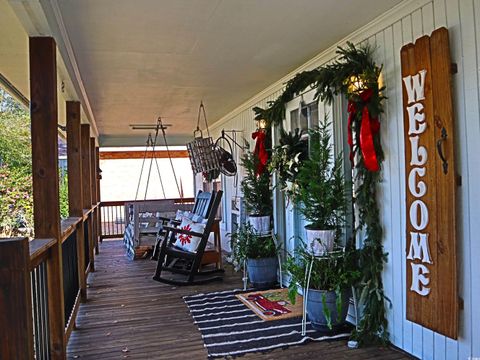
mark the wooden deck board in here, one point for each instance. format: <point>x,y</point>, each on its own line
<point>130,316</point>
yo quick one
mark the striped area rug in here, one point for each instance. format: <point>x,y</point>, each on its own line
<point>229,328</point>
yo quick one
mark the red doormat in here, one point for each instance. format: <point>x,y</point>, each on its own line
<point>272,304</point>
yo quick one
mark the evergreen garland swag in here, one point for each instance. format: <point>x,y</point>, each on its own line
<point>355,75</point>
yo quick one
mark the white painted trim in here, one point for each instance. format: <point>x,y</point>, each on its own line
<point>31,16</point>
<point>386,19</point>
<point>34,16</point>
<point>53,13</point>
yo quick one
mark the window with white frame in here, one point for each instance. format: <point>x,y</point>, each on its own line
<point>302,113</point>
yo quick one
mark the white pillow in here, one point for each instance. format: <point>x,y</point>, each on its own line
<point>179,215</point>
<point>197,218</point>
<point>188,242</point>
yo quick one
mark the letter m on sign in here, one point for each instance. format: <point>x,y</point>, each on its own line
<point>431,261</point>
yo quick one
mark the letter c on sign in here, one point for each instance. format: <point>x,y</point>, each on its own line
<point>418,225</point>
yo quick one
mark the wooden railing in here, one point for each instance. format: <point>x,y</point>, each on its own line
<point>27,309</point>
<point>71,286</point>
<point>114,214</point>
<point>43,281</point>
<point>29,273</point>
<point>39,253</point>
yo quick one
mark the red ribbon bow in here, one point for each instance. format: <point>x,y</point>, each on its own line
<point>368,128</point>
<point>260,151</point>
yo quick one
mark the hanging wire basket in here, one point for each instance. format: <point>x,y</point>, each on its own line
<point>202,153</point>
<point>194,157</point>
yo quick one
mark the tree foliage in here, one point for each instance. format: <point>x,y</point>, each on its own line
<point>287,158</point>
<point>247,244</point>
<point>353,72</point>
<point>256,188</point>
<point>16,191</point>
<point>320,194</point>
<point>16,201</point>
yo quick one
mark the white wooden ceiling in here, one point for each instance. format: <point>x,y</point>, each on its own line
<point>147,58</point>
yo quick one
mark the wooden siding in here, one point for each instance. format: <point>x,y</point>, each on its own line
<point>405,23</point>
<point>128,315</point>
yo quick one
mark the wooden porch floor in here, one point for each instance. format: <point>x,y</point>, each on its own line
<point>130,316</point>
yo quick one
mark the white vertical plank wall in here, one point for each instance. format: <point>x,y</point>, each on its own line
<point>403,24</point>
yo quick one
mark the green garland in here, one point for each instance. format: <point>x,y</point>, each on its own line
<point>353,72</point>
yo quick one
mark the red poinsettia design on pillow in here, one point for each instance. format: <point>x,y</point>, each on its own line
<point>185,238</point>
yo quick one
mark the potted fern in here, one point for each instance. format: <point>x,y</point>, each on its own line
<point>320,192</point>
<point>258,252</point>
<point>257,194</point>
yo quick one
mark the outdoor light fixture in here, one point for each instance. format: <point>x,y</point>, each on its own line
<point>262,124</point>
<point>355,84</point>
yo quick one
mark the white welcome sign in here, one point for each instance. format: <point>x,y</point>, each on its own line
<point>418,212</point>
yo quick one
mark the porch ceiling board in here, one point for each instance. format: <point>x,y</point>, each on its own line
<point>142,59</point>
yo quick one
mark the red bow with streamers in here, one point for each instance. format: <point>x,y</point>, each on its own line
<point>369,127</point>
<point>260,151</point>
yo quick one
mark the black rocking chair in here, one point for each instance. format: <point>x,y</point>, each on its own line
<point>201,208</point>
<point>178,261</point>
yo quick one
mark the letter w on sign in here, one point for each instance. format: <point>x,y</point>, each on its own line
<point>432,297</point>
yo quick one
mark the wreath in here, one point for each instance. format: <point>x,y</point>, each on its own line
<point>355,75</point>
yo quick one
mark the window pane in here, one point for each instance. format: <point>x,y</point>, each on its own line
<point>303,120</point>
<point>294,119</point>
<point>313,111</point>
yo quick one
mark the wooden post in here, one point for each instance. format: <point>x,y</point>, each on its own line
<point>93,184</point>
<point>16,320</point>
<point>86,187</point>
<point>97,163</point>
<point>44,119</point>
<point>75,201</point>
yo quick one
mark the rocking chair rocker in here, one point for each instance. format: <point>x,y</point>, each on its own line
<point>178,261</point>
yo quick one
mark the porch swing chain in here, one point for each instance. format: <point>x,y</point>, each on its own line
<point>201,109</point>
<point>150,167</point>
<point>160,177</point>
<point>149,139</point>
<point>156,163</point>
<point>160,125</point>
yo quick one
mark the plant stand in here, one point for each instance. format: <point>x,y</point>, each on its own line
<point>308,275</point>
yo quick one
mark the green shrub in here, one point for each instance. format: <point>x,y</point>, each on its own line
<point>63,193</point>
<point>246,244</point>
<point>320,195</point>
<point>256,189</point>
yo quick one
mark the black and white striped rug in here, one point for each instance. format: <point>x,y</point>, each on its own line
<point>229,328</point>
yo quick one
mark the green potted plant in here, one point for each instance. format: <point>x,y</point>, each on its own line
<point>258,252</point>
<point>331,279</point>
<point>320,193</point>
<point>257,194</point>
<point>287,158</point>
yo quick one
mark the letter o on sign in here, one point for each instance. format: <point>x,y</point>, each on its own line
<point>418,224</point>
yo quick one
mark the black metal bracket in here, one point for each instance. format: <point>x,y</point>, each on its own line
<point>228,137</point>
<point>440,150</point>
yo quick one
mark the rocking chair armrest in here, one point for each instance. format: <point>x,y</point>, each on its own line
<point>166,219</point>
<point>182,231</point>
